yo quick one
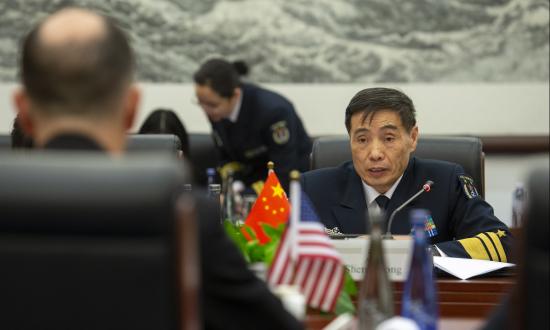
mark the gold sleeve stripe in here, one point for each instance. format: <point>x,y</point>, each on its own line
<point>496,241</point>
<point>489,245</point>
<point>474,247</point>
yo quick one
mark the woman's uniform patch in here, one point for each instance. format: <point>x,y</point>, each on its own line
<point>280,132</point>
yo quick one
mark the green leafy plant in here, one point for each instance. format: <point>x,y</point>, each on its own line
<point>344,303</point>
<point>254,252</point>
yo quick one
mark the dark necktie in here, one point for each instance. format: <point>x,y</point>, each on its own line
<point>383,202</point>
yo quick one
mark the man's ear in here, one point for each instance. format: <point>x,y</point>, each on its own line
<point>414,138</point>
<point>22,106</point>
<point>131,105</point>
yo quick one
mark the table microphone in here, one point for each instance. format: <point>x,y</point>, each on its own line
<point>425,188</point>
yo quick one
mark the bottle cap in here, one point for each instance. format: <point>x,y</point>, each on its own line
<point>238,186</point>
<point>270,165</point>
<point>398,323</point>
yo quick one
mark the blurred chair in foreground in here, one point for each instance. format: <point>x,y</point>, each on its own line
<point>5,142</point>
<point>154,143</point>
<point>94,243</point>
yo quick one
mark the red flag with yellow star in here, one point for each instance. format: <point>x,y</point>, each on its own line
<point>271,207</point>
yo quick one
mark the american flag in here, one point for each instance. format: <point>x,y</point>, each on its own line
<point>306,256</point>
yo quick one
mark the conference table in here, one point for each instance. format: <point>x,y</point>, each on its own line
<point>319,322</point>
<point>463,304</point>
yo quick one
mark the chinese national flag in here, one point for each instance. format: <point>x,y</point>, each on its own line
<point>271,207</point>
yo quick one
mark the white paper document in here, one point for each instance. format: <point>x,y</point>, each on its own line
<point>467,268</point>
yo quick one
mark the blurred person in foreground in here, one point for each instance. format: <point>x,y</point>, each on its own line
<point>381,123</point>
<point>250,125</point>
<point>526,306</point>
<point>78,93</point>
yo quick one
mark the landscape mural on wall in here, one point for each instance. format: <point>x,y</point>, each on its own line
<point>319,41</point>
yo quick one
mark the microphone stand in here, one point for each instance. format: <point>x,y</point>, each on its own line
<point>426,187</point>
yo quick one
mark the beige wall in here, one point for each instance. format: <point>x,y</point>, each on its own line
<point>478,109</point>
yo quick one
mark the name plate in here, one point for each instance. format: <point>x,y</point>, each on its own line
<point>397,252</point>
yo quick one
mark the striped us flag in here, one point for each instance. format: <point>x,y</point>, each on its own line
<point>306,256</point>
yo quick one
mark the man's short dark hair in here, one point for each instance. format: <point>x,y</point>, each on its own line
<point>371,100</point>
<point>81,76</point>
<point>220,75</point>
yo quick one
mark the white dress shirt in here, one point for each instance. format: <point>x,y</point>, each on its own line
<point>236,110</point>
<point>371,194</point>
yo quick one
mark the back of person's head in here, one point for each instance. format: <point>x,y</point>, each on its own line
<point>371,100</point>
<point>76,62</point>
<point>220,75</point>
<point>77,73</point>
<point>166,121</point>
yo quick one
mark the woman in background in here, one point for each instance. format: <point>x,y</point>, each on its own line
<point>250,125</point>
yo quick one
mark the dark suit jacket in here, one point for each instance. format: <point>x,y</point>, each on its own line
<point>72,142</point>
<point>339,197</point>
<point>267,129</point>
<point>232,297</point>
